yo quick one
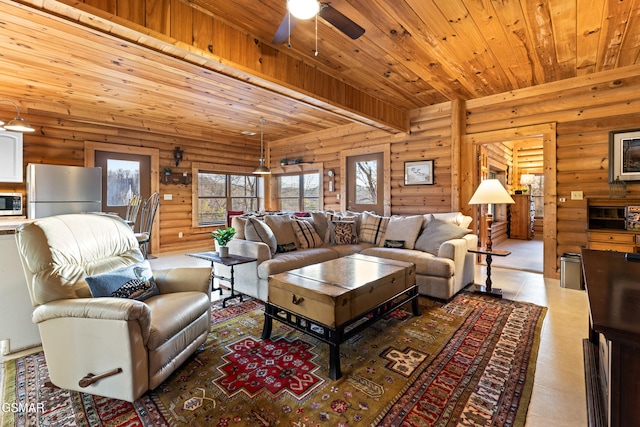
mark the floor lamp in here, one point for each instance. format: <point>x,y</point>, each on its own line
<point>490,192</point>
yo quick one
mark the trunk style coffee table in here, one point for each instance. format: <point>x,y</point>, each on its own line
<point>336,299</point>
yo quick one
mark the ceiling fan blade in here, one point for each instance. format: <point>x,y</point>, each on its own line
<point>341,22</point>
<point>283,33</point>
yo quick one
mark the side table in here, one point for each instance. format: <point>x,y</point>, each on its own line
<point>230,261</point>
<point>487,289</point>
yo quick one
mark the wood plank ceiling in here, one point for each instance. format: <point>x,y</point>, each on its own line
<point>414,53</point>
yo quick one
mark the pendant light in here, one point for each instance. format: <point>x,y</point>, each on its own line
<point>18,124</point>
<point>262,169</point>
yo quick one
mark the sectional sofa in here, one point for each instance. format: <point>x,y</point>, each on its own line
<point>436,243</point>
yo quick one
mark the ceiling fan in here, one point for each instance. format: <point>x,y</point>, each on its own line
<point>306,9</point>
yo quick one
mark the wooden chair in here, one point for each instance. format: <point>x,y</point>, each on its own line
<point>133,207</point>
<point>149,208</point>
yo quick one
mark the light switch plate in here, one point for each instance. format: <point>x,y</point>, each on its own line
<point>168,196</point>
<point>577,195</point>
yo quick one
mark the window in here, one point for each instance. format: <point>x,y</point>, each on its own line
<point>219,193</point>
<point>299,192</point>
<point>123,181</point>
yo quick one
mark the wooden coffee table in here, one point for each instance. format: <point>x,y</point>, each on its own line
<point>336,299</point>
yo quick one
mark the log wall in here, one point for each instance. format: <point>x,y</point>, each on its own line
<point>430,139</point>
<point>57,141</point>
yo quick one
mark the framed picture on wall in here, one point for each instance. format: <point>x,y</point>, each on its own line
<point>418,172</point>
<point>624,155</point>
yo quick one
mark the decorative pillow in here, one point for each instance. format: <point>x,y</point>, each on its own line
<point>134,281</point>
<point>372,228</point>
<point>437,232</point>
<point>321,224</point>
<point>281,227</point>
<point>343,232</point>
<point>307,236</point>
<point>238,222</point>
<point>287,247</point>
<point>397,244</point>
<point>257,231</point>
<point>404,228</point>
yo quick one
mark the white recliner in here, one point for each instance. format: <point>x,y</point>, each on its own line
<point>108,346</point>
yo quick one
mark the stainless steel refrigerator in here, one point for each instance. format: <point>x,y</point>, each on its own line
<point>56,190</point>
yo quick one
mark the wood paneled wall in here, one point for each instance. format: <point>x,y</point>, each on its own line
<point>585,110</point>
<point>430,139</point>
<point>57,141</point>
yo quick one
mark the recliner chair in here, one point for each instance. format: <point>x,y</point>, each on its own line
<point>108,346</point>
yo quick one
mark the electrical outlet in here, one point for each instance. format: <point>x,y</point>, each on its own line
<point>577,195</point>
<point>168,196</point>
<point>180,235</point>
<point>563,199</point>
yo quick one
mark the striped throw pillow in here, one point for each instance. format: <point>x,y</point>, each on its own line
<point>306,234</point>
<point>373,227</point>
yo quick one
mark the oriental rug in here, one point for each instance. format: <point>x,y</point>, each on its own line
<point>469,362</point>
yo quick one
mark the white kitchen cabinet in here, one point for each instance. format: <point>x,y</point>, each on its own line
<point>11,168</point>
<point>17,331</point>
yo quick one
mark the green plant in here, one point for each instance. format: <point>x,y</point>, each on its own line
<point>223,235</point>
<point>167,171</point>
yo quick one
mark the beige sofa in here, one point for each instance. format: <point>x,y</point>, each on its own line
<point>135,343</point>
<point>440,275</point>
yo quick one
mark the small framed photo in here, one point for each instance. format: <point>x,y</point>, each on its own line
<point>624,155</point>
<point>418,173</point>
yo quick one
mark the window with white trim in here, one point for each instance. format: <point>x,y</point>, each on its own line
<point>222,192</point>
<point>299,192</point>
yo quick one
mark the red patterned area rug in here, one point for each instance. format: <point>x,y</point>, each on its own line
<point>467,362</point>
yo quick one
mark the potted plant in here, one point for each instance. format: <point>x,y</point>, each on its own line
<point>222,237</point>
<point>284,161</point>
<point>167,174</point>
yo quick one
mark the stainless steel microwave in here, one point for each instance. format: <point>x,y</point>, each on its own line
<point>10,204</point>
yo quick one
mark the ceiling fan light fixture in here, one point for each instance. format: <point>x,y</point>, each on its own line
<point>303,9</point>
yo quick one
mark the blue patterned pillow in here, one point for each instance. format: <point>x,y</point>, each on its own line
<point>134,281</point>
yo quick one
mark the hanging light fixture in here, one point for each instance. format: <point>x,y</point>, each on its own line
<point>18,124</point>
<point>303,9</point>
<point>262,169</point>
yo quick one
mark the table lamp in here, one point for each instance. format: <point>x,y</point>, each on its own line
<point>490,192</point>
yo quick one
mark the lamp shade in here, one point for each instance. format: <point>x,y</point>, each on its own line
<point>303,9</point>
<point>490,191</point>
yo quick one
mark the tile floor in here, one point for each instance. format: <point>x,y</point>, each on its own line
<point>558,397</point>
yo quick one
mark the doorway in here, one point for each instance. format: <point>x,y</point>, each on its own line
<point>547,134</point>
<point>382,155</point>
<point>365,175</point>
<point>149,158</point>
<point>124,176</point>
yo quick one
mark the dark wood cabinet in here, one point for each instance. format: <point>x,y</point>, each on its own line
<point>521,217</point>
<point>612,352</point>
<point>608,228</point>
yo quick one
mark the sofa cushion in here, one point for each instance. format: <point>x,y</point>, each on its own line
<point>134,281</point>
<point>437,232</point>
<point>372,228</point>
<point>403,228</point>
<point>306,234</point>
<point>426,263</point>
<point>292,260</point>
<point>257,231</point>
<point>343,232</point>
<point>282,230</point>
<point>346,250</point>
